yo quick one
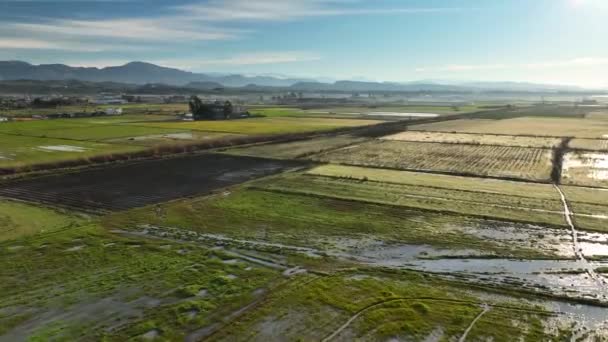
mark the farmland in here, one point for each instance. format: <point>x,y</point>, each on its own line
<point>296,149</point>
<point>531,126</point>
<point>475,139</point>
<point>18,219</point>
<point>480,160</point>
<point>128,109</point>
<point>117,288</point>
<point>23,151</point>
<point>49,143</point>
<point>127,186</point>
<point>585,168</point>
<point>271,125</point>
<point>589,144</point>
<point>315,234</point>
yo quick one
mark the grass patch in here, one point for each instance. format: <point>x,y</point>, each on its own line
<point>24,151</point>
<point>19,219</point>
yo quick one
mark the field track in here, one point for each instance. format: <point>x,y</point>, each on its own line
<point>139,184</point>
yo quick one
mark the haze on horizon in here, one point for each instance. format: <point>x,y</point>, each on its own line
<point>542,41</point>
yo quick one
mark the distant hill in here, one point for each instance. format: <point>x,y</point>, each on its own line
<point>134,72</point>
<point>140,73</point>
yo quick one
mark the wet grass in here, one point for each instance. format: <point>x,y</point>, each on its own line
<point>19,219</point>
<point>407,306</point>
<point>310,221</point>
<point>87,284</point>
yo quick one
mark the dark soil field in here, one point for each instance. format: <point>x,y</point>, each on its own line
<point>144,183</point>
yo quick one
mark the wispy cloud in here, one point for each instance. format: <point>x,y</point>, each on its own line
<point>39,44</point>
<point>199,21</point>
<point>265,10</point>
<point>140,29</point>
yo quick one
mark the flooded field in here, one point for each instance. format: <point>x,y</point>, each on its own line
<point>586,169</point>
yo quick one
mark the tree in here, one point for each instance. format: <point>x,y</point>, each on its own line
<point>195,105</point>
<point>228,109</point>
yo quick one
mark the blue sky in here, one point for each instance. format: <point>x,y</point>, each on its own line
<point>550,41</point>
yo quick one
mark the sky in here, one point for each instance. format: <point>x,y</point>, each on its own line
<point>543,41</point>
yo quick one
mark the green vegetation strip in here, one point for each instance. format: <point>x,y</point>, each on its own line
<point>488,205</point>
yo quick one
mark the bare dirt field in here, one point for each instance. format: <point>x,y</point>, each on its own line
<point>532,126</point>
<point>475,139</point>
<point>144,183</point>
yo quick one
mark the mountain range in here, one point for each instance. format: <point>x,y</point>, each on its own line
<point>141,73</point>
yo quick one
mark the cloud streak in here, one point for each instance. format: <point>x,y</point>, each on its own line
<point>212,20</point>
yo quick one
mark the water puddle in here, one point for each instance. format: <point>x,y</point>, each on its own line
<point>63,148</point>
<point>596,164</point>
<point>418,115</point>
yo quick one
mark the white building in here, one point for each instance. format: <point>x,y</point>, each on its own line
<point>113,111</point>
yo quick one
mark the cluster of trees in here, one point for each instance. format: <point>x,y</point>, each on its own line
<point>210,111</point>
<point>56,102</point>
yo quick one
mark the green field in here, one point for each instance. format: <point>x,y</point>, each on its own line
<point>24,151</point>
<point>131,108</point>
<point>28,143</point>
<point>19,219</point>
<point>271,125</point>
